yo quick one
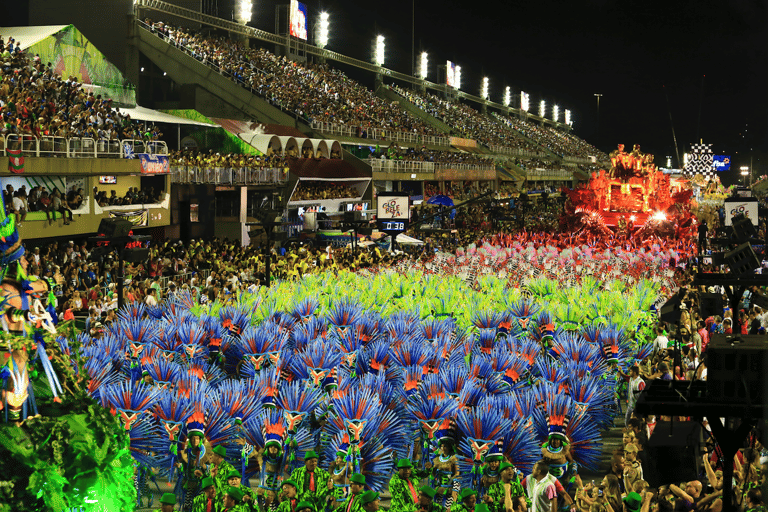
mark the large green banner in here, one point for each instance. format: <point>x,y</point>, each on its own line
<point>73,55</point>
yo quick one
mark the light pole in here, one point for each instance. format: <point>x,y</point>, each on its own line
<point>598,96</point>
<point>744,173</point>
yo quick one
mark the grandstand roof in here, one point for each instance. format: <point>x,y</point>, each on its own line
<point>154,116</point>
<point>28,36</point>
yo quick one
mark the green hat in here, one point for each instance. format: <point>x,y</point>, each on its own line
<point>220,450</point>
<point>207,482</point>
<point>311,454</point>
<point>633,501</point>
<point>288,482</point>
<point>235,493</point>
<point>481,507</point>
<point>357,478</point>
<point>404,463</point>
<point>428,491</point>
<point>466,493</point>
<point>368,497</point>
<point>233,474</point>
<point>494,457</point>
<point>305,504</point>
<point>168,498</point>
<point>505,465</point>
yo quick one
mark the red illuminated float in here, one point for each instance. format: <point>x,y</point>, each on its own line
<point>632,199</point>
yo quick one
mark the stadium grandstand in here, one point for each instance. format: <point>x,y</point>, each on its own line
<point>242,119</point>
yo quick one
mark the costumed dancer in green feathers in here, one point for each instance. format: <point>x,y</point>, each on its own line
<point>288,497</point>
<point>271,462</point>
<point>369,501</point>
<point>490,471</point>
<point>234,480</point>
<point>340,471</point>
<point>404,488</point>
<point>233,501</point>
<point>426,500</point>
<point>445,473</point>
<point>220,469</point>
<point>167,502</point>
<point>192,459</point>
<point>356,488</point>
<point>206,501</point>
<point>467,501</point>
<point>501,495</point>
<point>555,451</point>
<point>312,481</point>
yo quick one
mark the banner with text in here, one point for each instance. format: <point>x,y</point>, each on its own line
<point>154,164</point>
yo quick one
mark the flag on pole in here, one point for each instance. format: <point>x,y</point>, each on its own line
<point>15,161</point>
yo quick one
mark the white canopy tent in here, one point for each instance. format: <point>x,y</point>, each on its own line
<point>153,116</point>
<point>404,239</point>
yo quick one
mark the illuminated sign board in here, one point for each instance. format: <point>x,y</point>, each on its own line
<point>298,20</point>
<point>721,162</point>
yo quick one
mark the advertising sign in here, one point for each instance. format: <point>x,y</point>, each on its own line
<point>721,162</point>
<point>154,164</point>
<point>298,20</point>
<point>393,213</point>
<point>736,206</point>
<point>450,74</point>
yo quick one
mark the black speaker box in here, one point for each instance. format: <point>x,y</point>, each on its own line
<point>735,368</point>
<point>672,454</point>
<point>115,228</point>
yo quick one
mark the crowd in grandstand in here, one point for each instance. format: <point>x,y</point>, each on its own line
<point>559,142</point>
<point>318,190</point>
<point>211,160</point>
<point>422,154</point>
<point>19,202</point>
<point>35,101</point>
<point>134,195</point>
<point>313,91</point>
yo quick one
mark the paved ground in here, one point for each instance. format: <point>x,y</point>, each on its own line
<point>612,439</point>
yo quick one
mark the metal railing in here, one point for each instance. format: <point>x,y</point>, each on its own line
<point>79,147</point>
<point>549,173</point>
<point>504,150</point>
<point>379,134</point>
<point>580,159</point>
<point>226,175</point>
<point>406,166</point>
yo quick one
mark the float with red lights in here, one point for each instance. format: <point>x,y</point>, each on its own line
<point>633,198</point>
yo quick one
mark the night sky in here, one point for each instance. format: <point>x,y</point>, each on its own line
<point>632,52</point>
<point>637,54</point>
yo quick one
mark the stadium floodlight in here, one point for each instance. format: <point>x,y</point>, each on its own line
<point>484,90</point>
<point>423,65</point>
<point>379,51</point>
<point>322,30</point>
<point>542,108</point>
<point>457,77</point>
<point>507,96</point>
<point>243,11</point>
<point>525,101</point>
<point>556,113</point>
<point>568,117</point>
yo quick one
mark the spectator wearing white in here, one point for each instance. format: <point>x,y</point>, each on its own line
<point>540,488</point>
<point>20,206</point>
<point>151,300</point>
<point>661,342</point>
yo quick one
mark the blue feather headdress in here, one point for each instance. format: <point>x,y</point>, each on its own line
<point>296,399</point>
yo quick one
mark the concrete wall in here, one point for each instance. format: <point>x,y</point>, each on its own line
<point>77,166</point>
